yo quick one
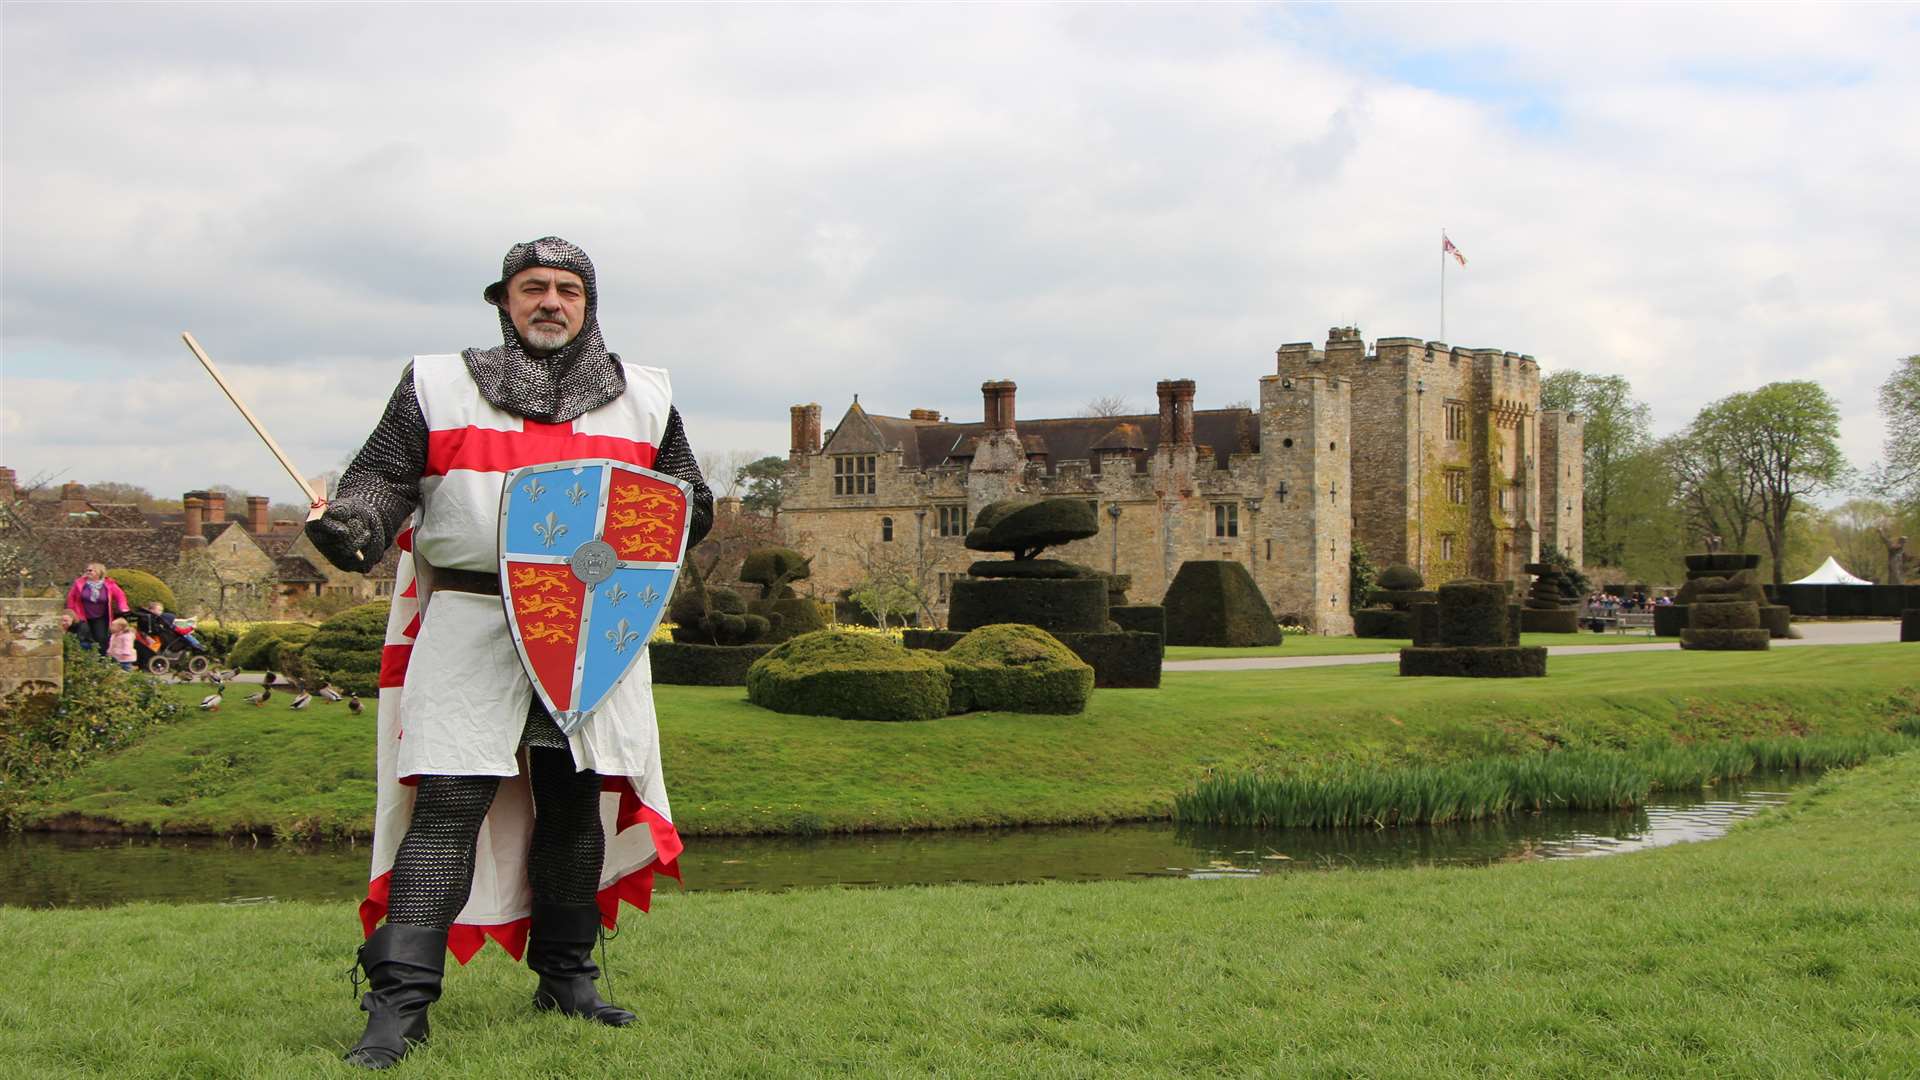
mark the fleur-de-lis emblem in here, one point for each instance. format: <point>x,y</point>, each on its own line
<point>648,597</point>
<point>622,637</point>
<point>576,493</point>
<point>615,593</point>
<point>534,489</point>
<point>549,530</point>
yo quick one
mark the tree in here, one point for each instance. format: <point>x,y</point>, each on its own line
<point>1618,426</point>
<point>113,491</point>
<point>1849,533</point>
<point>1898,477</point>
<point>722,470</point>
<point>1107,405</point>
<point>1785,437</point>
<point>766,484</point>
<point>1712,487</point>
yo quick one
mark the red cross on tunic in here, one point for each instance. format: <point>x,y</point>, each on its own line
<point>495,450</point>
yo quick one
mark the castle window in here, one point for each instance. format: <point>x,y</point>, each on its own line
<point>1457,486</point>
<point>953,520</point>
<point>1226,520</point>
<point>1446,547</point>
<point>886,530</point>
<point>1269,551</point>
<point>853,474</point>
<point>1456,420</point>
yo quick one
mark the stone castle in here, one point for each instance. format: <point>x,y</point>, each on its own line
<point>1427,454</point>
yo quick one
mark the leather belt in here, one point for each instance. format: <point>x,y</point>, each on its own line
<point>467,581</point>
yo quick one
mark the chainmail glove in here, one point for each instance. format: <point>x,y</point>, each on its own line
<point>346,539</point>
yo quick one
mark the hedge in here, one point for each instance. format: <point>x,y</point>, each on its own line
<point>1550,620</point>
<point>788,617</point>
<point>1382,623</point>
<point>1426,623</point>
<point>1910,625</point>
<point>1052,604</point>
<point>678,664</point>
<point>260,647</point>
<point>1030,568</point>
<point>1127,660</point>
<point>856,676</point>
<point>1476,662</point>
<point>143,588</point>
<point>1724,640</point>
<point>1670,619</point>
<point>1011,667</point>
<point>1740,615</point>
<point>1473,613</point>
<point>1214,602</point>
<point>1778,619</point>
<point>345,649</point>
<point>1722,563</point>
<point>1140,618</point>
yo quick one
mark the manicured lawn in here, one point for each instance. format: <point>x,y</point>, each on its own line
<point>735,768</point>
<point>1315,645</point>
<point>1784,950</point>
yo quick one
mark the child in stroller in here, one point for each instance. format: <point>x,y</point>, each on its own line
<point>164,641</point>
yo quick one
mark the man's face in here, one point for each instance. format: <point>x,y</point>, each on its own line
<point>547,306</point>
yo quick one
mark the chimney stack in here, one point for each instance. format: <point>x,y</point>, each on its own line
<point>9,487</point>
<point>1176,411</point>
<point>195,505</point>
<point>216,507</point>
<point>997,398</point>
<point>931,416</point>
<point>257,522</point>
<point>73,498</point>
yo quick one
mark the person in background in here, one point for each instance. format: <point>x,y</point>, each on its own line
<point>120,644</point>
<point>95,601</point>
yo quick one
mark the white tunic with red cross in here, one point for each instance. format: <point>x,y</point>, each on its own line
<point>453,694</point>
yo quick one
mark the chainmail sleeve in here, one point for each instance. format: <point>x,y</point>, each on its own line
<point>379,489</point>
<point>675,458</point>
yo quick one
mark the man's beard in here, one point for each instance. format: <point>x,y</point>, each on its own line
<point>547,338</point>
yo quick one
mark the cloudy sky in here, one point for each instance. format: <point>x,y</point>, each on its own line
<point>801,203</point>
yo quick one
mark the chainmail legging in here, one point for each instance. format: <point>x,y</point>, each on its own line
<point>433,870</point>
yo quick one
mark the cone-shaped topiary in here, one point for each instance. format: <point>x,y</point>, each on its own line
<point>856,676</point>
<point>1026,527</point>
<point>1215,602</point>
<point>1012,667</point>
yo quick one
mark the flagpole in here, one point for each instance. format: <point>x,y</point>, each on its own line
<point>1443,283</point>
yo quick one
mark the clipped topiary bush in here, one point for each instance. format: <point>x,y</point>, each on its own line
<point>1025,527</point>
<point>1724,640</point>
<point>713,616</point>
<point>1140,618</point>
<point>1215,602</point>
<point>1054,604</point>
<point>1382,623</point>
<point>345,650</point>
<point>1910,624</point>
<point>260,648</point>
<point>856,676</point>
<point>143,588</point>
<point>1476,662</point>
<point>678,664</point>
<point>1473,613</point>
<point>1737,616</point>
<point>787,617</point>
<point>1012,667</point>
<point>1030,568</point>
<point>1400,578</point>
<point>774,569</point>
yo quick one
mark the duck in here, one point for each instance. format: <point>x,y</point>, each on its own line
<point>211,703</point>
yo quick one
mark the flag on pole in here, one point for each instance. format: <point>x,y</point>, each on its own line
<point>1447,248</point>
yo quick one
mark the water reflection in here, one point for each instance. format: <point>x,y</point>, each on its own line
<point>66,869</point>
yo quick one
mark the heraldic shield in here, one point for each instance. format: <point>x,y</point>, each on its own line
<point>589,550</point>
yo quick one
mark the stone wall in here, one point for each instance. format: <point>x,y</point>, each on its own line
<point>30,642</point>
<point>1563,483</point>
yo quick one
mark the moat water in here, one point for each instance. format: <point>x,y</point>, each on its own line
<point>89,870</point>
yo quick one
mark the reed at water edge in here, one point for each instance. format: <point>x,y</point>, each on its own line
<point>1586,779</point>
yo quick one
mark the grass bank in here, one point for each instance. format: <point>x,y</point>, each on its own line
<point>1315,645</point>
<point>1784,949</point>
<point>735,768</point>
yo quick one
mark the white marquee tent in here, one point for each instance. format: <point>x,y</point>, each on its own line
<point>1831,573</point>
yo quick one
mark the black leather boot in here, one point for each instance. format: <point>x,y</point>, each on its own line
<point>560,949</point>
<point>404,966</point>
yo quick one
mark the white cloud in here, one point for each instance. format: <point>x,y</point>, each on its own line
<point>800,204</point>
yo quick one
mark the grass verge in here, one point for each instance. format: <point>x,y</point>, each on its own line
<point>1784,949</point>
<point>1316,645</point>
<point>735,768</point>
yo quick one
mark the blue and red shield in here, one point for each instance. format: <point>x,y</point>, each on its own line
<point>589,551</point>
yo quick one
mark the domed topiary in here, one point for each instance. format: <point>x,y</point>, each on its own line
<point>261,647</point>
<point>142,588</point>
<point>345,650</point>
<point>1016,668</point>
<point>1400,578</point>
<point>1026,527</point>
<point>856,676</point>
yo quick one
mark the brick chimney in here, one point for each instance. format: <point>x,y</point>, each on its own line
<point>257,522</point>
<point>73,498</point>
<point>1176,411</point>
<point>9,487</point>
<point>216,507</point>
<point>803,440</point>
<point>997,399</point>
<point>195,505</point>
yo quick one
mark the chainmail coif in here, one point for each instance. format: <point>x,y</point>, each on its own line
<point>552,388</point>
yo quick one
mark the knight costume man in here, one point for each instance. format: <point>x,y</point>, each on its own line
<point>491,822</point>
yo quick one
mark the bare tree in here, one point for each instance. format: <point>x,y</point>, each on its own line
<point>898,578</point>
<point>1107,405</point>
<point>722,470</point>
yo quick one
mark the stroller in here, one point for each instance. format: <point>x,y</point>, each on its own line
<point>162,642</point>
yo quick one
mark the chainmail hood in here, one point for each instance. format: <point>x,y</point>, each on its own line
<point>559,386</point>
